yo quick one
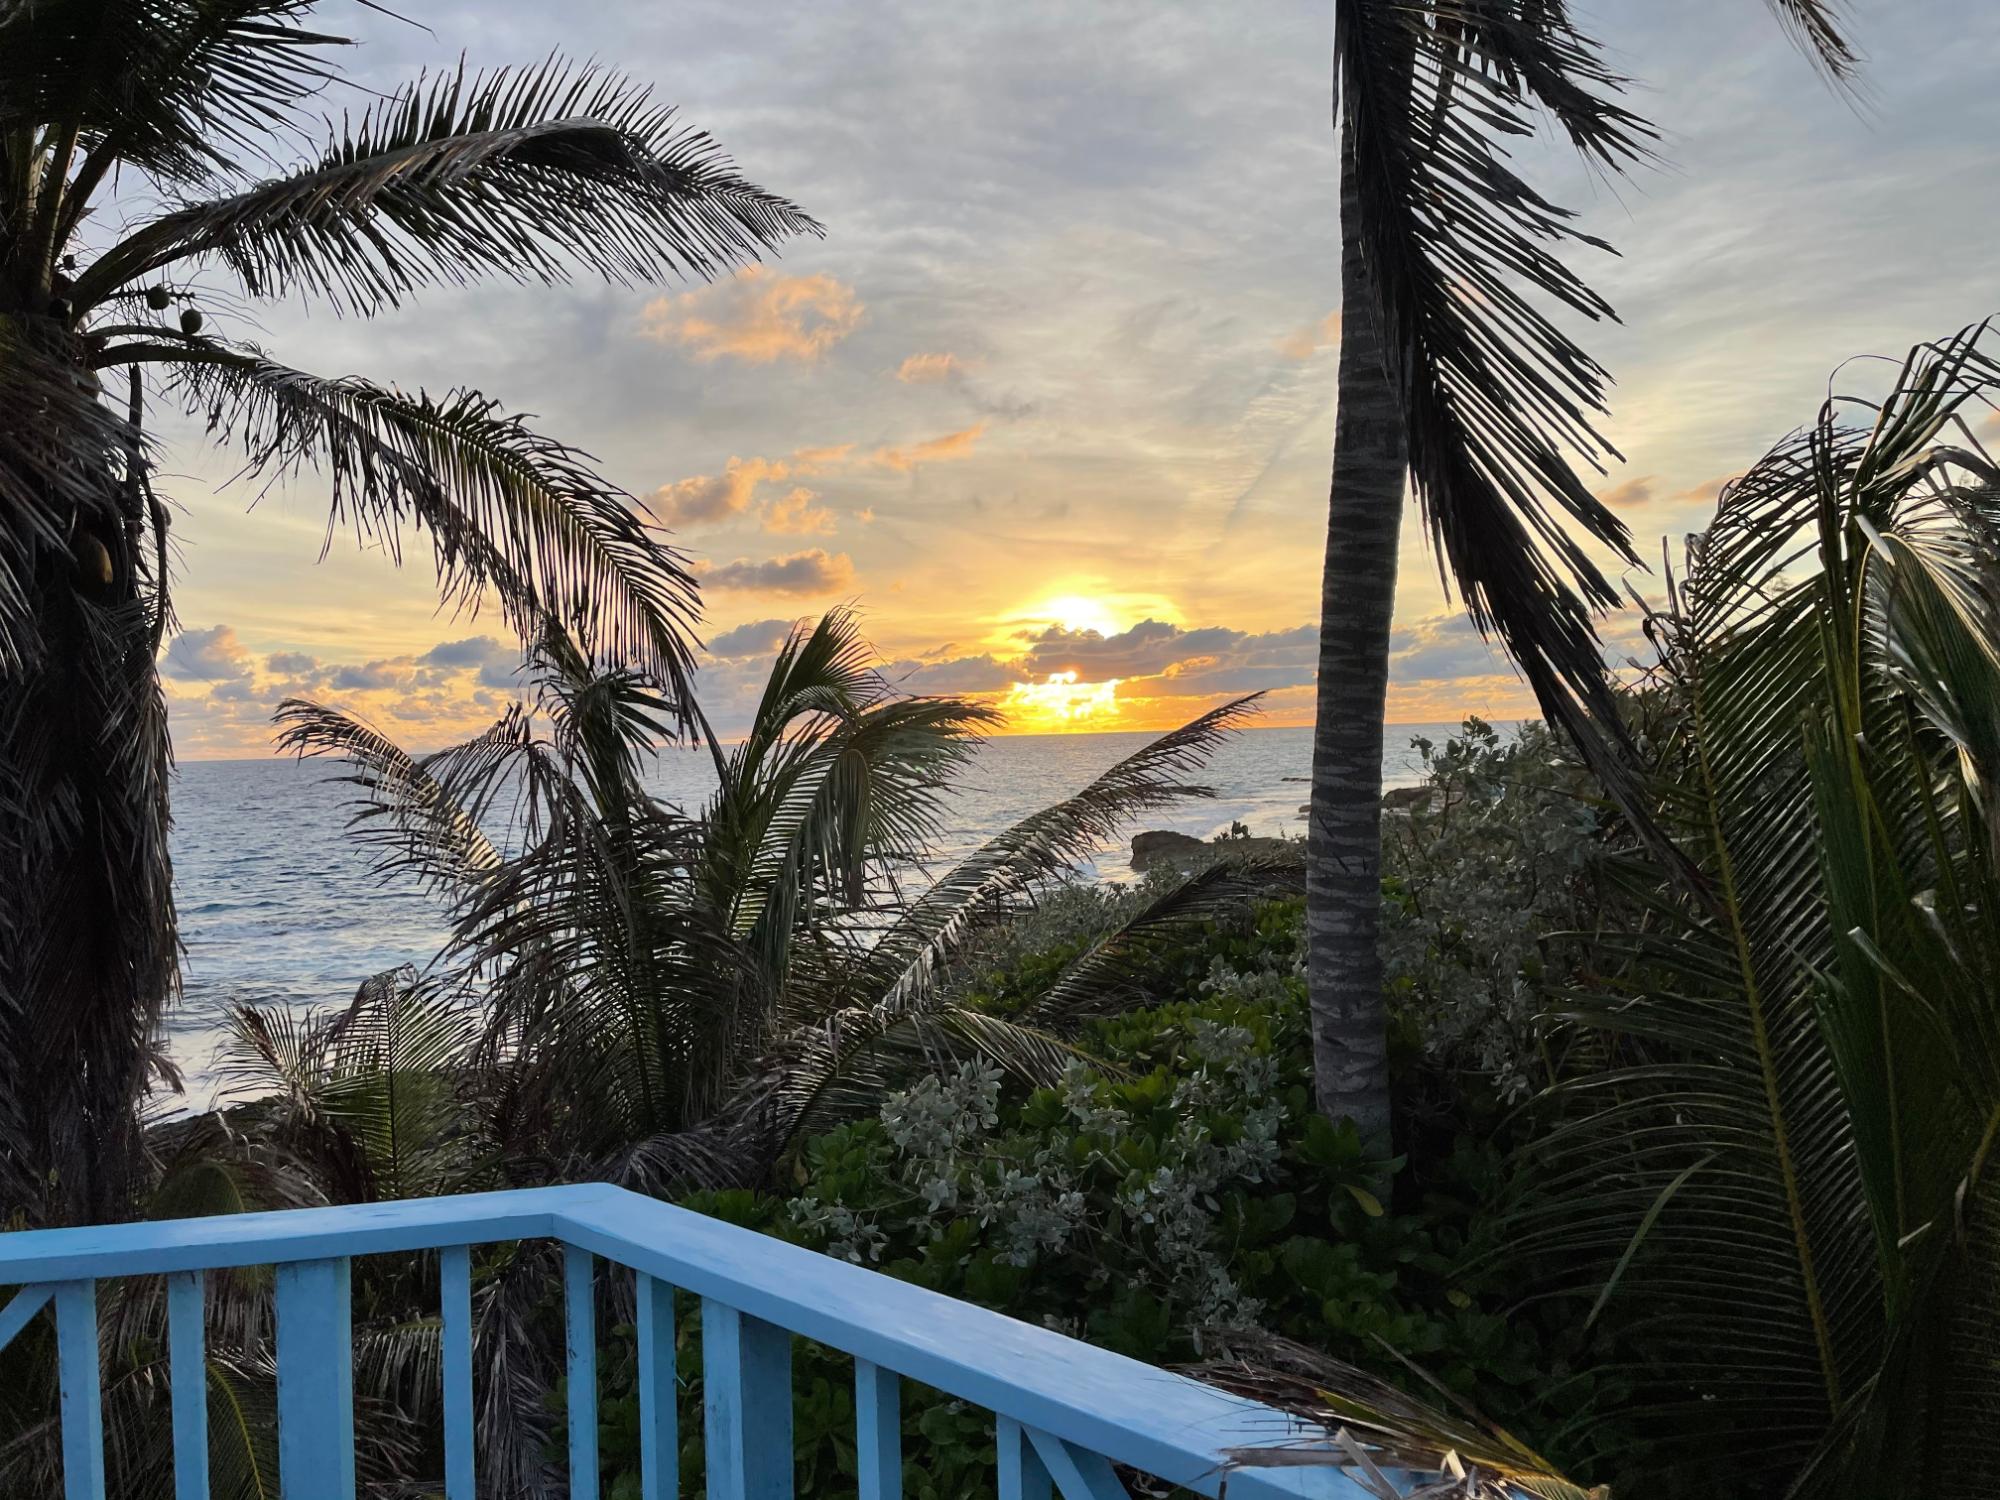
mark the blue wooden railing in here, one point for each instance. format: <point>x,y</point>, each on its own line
<point>1065,1412</point>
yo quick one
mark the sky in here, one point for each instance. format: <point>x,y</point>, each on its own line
<point>1052,403</point>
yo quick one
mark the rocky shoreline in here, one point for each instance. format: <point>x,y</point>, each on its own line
<point>1163,848</point>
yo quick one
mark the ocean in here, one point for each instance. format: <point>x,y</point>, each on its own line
<point>279,906</point>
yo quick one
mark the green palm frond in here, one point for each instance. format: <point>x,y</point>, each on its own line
<point>1788,1156</point>
<point>524,174</point>
<point>914,951</point>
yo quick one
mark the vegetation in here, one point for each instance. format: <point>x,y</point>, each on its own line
<point>167,111</point>
<point>1783,1148</point>
<point>1691,1054</point>
<point>1453,383</point>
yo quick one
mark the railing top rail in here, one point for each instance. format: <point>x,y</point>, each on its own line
<point>1132,1413</point>
<point>152,1246</point>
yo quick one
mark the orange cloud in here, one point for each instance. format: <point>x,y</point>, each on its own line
<point>1630,495</point>
<point>796,515</point>
<point>919,369</point>
<point>1314,337</point>
<point>937,450</point>
<point>1707,491</point>
<point>708,498</point>
<point>812,460</point>
<point>757,317</point>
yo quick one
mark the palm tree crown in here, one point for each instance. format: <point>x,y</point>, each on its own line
<point>182,106</point>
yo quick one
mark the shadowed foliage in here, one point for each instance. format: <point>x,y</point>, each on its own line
<point>140,143</point>
<point>1459,381</point>
<point>1786,1160</point>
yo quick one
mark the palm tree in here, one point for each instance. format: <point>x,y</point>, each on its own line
<point>533,175</point>
<point>674,1000</point>
<point>1454,383</point>
<point>1787,1161</point>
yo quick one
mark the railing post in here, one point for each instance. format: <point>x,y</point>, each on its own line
<point>747,1380</point>
<point>315,1381</point>
<point>1022,1476</point>
<point>82,1394</point>
<point>659,1421</point>
<point>188,1375</point>
<point>1078,1473</point>
<point>878,1431</point>
<point>580,1325</point>
<point>455,1305</point>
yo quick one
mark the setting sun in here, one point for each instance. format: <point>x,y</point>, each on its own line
<point>1060,705</point>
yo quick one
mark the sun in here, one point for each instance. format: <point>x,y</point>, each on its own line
<point>1074,613</point>
<point>1060,705</point>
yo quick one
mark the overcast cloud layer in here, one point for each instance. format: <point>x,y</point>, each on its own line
<point>1055,394</point>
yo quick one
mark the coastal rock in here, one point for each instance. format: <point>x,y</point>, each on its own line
<point>1149,848</point>
<point>1182,851</point>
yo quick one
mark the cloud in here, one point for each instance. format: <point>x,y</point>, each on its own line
<point>713,499</point>
<point>1308,341</point>
<point>211,655</point>
<point>758,638</point>
<point>938,450</point>
<point>757,317</point>
<point>473,651</point>
<point>810,572</point>
<point>1630,495</point>
<point>291,664</point>
<point>370,675</point>
<point>965,674</point>
<point>813,460</point>
<point>1185,663</point>
<point>1442,647</point>
<point>1707,491</point>
<point>922,369</point>
<point>709,498</point>
<point>796,515</point>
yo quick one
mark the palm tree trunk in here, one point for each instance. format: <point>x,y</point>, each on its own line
<point>87,938</point>
<point>1357,602</point>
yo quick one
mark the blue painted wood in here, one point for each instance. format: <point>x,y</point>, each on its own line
<point>878,1428</point>
<point>746,1367</point>
<point>455,1305</point>
<point>580,1328</point>
<point>21,1309</point>
<point>1078,1475</point>
<point>315,1381</point>
<point>1135,1414</point>
<point>207,1244</point>
<point>188,1375</point>
<point>1022,1474</point>
<point>1094,1400</point>
<point>82,1395</point>
<point>659,1393</point>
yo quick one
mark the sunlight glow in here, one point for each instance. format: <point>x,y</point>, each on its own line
<point>1074,612</point>
<point>1060,705</point>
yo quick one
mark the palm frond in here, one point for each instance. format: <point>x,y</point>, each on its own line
<point>1367,1425</point>
<point>1820,30</point>
<point>910,955</point>
<point>410,812</point>
<point>508,509</point>
<point>1807,1065</point>
<point>526,174</point>
<point>1492,391</point>
<point>1102,980</point>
